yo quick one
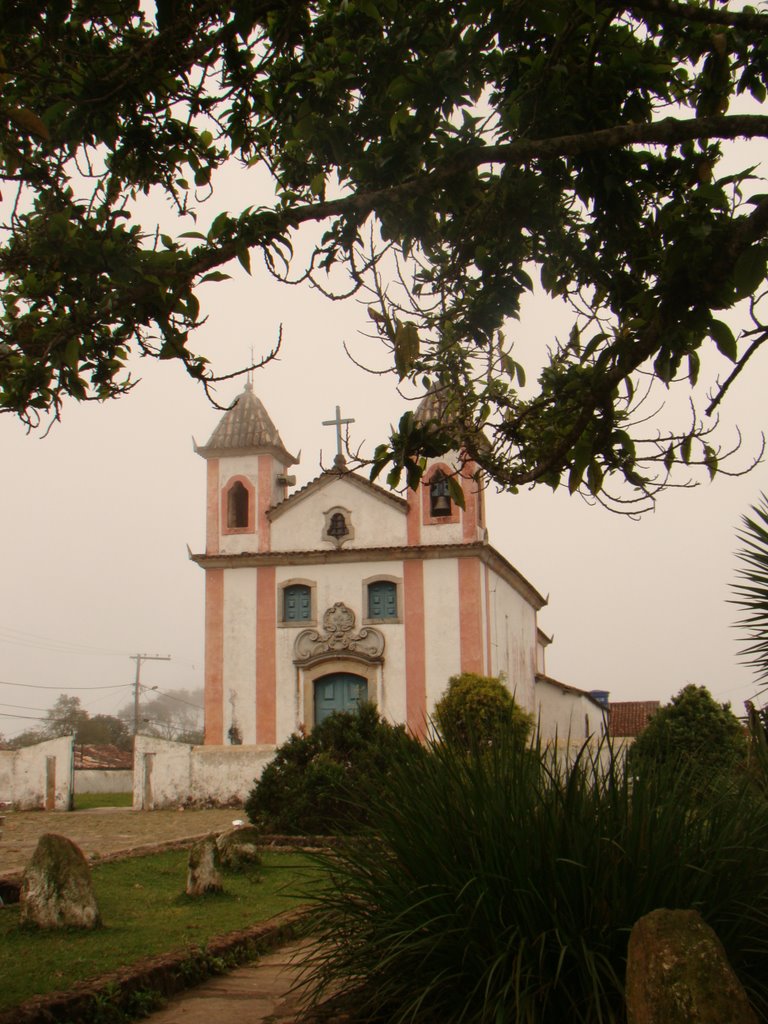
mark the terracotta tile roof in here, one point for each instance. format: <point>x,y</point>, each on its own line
<point>246,424</point>
<point>630,717</point>
<point>102,755</point>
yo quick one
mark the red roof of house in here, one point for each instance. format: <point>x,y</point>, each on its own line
<point>630,717</point>
<point>102,755</point>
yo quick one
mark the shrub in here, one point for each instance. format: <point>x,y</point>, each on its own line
<point>479,709</point>
<point>314,784</point>
<point>503,887</point>
<point>694,733</point>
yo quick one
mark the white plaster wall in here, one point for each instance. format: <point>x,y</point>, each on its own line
<point>512,623</point>
<point>103,780</point>
<point>23,774</point>
<point>226,774</point>
<point>376,522</point>
<point>240,651</point>
<point>441,533</point>
<point>7,758</point>
<point>185,775</point>
<point>563,714</point>
<point>441,626</point>
<point>338,582</point>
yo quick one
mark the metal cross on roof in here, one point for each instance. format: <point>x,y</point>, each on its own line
<point>338,422</point>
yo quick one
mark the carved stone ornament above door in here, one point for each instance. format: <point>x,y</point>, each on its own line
<point>339,638</point>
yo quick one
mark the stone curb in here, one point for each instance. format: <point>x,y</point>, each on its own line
<point>166,974</point>
<point>12,880</point>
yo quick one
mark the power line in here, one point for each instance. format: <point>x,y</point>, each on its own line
<point>23,638</point>
<point>63,686</point>
<point>170,696</point>
<point>30,718</point>
<point>21,707</point>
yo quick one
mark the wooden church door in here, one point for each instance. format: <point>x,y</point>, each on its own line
<point>339,691</point>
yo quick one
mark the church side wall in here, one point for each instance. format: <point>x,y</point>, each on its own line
<point>511,638</point>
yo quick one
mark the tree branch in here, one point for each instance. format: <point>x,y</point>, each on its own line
<point>668,132</point>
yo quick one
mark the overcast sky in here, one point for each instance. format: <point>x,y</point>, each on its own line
<point>95,519</point>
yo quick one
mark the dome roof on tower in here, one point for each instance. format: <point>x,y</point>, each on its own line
<point>435,407</point>
<point>246,426</point>
<point>431,407</point>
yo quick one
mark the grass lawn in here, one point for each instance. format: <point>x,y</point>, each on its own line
<point>84,801</point>
<point>145,911</point>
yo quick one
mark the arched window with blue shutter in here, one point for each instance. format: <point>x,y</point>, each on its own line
<point>297,603</point>
<point>382,600</point>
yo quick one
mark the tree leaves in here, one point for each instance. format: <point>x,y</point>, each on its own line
<point>490,146</point>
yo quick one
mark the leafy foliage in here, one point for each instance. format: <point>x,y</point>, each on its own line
<point>68,717</point>
<point>692,733</point>
<point>319,782</point>
<point>172,714</point>
<point>490,147</point>
<point>502,887</point>
<point>752,589</point>
<point>480,710</point>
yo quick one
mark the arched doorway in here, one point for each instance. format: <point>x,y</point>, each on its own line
<point>338,691</point>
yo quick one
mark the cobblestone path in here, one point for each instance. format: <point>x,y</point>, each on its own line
<point>103,830</point>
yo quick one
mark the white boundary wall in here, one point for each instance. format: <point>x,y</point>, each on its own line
<point>38,777</point>
<point>103,780</point>
<point>168,774</point>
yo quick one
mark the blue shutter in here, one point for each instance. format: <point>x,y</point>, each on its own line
<point>382,600</point>
<point>297,603</point>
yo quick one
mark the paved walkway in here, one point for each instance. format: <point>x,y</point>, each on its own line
<point>103,830</point>
<point>257,993</point>
<point>260,992</point>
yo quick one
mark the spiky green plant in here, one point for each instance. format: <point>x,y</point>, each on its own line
<point>502,887</point>
<point>751,590</point>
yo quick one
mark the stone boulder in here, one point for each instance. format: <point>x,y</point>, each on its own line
<point>203,869</point>
<point>57,890</point>
<point>239,848</point>
<point>678,973</point>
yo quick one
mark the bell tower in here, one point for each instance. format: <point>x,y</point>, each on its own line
<point>434,517</point>
<point>247,474</point>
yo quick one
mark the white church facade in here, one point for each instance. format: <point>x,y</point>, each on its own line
<point>342,590</point>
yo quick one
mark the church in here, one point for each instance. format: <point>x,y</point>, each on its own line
<point>343,590</point>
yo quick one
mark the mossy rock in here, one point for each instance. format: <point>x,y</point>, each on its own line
<point>203,869</point>
<point>239,849</point>
<point>57,890</point>
<point>678,973</point>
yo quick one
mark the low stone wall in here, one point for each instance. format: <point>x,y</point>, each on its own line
<point>103,780</point>
<point>168,774</point>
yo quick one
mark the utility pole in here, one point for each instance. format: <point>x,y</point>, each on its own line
<point>138,658</point>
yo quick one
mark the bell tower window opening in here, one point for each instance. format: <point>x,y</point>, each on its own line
<point>237,506</point>
<point>337,527</point>
<point>439,496</point>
